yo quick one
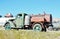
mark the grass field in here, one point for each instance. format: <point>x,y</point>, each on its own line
<point>26,34</point>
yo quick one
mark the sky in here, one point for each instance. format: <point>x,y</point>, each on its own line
<point>30,7</point>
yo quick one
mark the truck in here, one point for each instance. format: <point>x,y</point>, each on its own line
<point>34,22</point>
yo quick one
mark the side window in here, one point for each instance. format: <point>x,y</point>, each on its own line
<point>19,15</point>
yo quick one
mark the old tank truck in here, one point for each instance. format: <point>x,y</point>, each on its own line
<point>35,22</point>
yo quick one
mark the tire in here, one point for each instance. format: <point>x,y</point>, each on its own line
<point>37,27</point>
<point>7,26</point>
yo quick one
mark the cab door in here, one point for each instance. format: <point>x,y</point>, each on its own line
<point>19,21</point>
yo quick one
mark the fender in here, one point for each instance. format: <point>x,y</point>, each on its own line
<point>12,24</point>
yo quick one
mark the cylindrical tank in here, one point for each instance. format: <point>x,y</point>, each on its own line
<point>27,20</point>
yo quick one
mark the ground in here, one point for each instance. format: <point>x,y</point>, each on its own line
<point>28,34</point>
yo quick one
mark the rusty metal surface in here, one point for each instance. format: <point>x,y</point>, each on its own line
<point>40,18</point>
<point>37,19</point>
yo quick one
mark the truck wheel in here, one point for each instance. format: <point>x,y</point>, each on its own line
<point>7,26</point>
<point>37,27</point>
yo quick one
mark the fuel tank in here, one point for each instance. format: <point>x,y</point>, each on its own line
<point>41,18</point>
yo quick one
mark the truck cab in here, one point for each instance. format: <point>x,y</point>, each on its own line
<point>17,23</point>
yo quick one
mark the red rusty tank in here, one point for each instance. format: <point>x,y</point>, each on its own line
<point>41,18</point>
<point>37,18</point>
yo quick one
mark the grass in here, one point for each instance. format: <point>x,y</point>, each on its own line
<point>26,34</point>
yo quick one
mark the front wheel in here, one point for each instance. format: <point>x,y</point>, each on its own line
<point>37,27</point>
<point>7,26</point>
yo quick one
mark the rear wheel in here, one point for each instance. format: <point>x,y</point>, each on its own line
<point>7,26</point>
<point>37,27</point>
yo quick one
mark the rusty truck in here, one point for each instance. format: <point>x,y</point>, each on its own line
<point>34,22</point>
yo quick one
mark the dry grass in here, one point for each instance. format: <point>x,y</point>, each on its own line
<point>23,34</point>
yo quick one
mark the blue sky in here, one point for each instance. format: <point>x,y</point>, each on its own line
<point>30,7</point>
